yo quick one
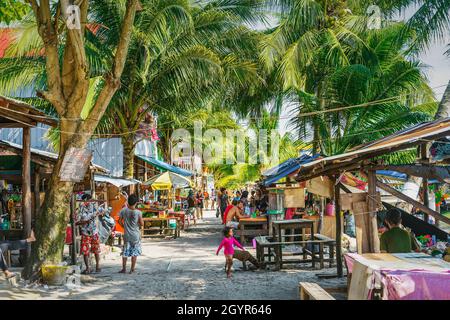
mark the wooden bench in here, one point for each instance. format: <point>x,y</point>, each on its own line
<point>312,291</point>
<point>275,251</point>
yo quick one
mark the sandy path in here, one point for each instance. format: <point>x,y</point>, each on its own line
<point>184,268</point>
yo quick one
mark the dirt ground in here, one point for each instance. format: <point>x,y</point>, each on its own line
<point>183,268</point>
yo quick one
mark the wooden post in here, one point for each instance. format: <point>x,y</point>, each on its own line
<point>92,182</point>
<point>73,254</point>
<point>372,206</point>
<point>37,196</point>
<point>424,157</point>
<point>26,185</point>
<point>337,205</point>
<point>415,203</point>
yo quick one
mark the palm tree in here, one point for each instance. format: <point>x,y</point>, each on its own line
<point>327,59</point>
<point>194,55</point>
<point>375,95</point>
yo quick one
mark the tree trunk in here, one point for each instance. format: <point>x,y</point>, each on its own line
<point>55,213</point>
<point>67,91</point>
<point>444,106</point>
<point>128,156</point>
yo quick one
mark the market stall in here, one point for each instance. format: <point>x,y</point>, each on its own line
<point>162,217</point>
<point>17,114</point>
<point>365,161</point>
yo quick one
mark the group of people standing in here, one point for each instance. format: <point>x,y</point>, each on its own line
<point>129,218</point>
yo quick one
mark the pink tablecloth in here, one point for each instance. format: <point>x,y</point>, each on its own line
<point>411,284</point>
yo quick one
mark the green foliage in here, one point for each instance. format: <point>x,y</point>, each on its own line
<point>12,10</point>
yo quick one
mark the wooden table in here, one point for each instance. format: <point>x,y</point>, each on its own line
<point>404,276</point>
<point>252,227</point>
<point>273,249</point>
<point>163,226</point>
<point>280,225</point>
<point>273,217</point>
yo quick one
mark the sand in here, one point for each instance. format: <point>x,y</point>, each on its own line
<point>183,268</point>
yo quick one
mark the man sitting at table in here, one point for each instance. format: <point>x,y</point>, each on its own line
<point>396,239</point>
<point>13,245</point>
<point>233,204</point>
<point>235,213</point>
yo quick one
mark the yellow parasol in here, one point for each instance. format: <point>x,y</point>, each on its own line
<point>167,181</point>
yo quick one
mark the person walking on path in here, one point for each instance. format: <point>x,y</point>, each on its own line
<point>206,199</point>
<point>213,199</point>
<point>191,207</point>
<point>223,201</point>
<point>131,220</point>
<point>199,204</point>
<point>90,242</point>
<point>6,246</point>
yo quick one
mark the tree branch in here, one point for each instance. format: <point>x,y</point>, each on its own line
<point>112,79</point>
<point>50,38</point>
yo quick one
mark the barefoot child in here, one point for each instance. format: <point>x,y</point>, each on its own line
<point>12,245</point>
<point>131,220</point>
<point>228,244</point>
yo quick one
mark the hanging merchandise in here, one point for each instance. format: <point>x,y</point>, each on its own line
<point>350,180</point>
<point>440,150</point>
<point>154,134</point>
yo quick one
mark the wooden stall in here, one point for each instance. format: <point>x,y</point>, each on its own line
<point>17,114</point>
<point>365,161</point>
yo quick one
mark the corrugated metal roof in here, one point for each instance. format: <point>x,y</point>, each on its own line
<point>401,140</point>
<point>118,182</point>
<point>50,156</point>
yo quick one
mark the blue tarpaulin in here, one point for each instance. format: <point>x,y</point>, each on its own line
<point>165,166</point>
<point>284,169</point>
<point>398,175</point>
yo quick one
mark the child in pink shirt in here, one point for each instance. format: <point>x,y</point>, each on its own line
<point>228,244</point>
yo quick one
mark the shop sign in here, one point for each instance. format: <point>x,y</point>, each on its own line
<point>76,163</point>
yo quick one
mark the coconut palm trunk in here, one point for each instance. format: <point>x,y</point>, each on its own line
<point>444,106</point>
<point>128,155</point>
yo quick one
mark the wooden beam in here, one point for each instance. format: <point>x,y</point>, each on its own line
<point>340,164</point>
<point>331,170</point>
<point>426,199</point>
<point>26,184</point>
<point>337,206</point>
<point>37,197</point>
<point>5,125</point>
<point>415,203</point>
<point>17,117</point>
<point>372,208</point>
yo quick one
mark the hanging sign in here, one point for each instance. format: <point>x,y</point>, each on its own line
<point>75,164</point>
